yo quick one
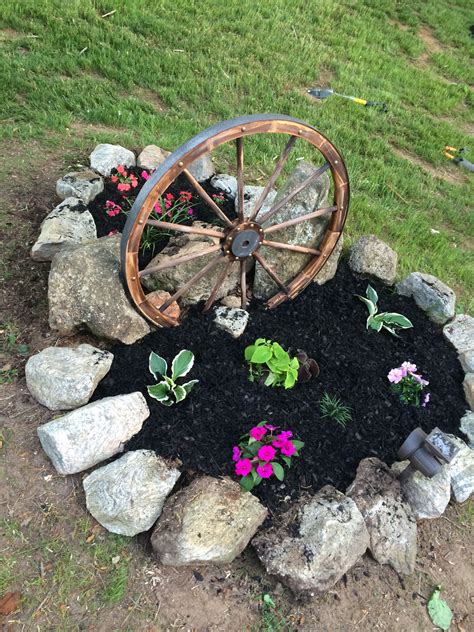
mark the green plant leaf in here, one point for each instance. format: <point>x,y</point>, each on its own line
<point>279,352</point>
<point>247,482</point>
<point>375,323</point>
<point>157,365</point>
<point>372,296</point>
<point>286,459</point>
<point>295,363</point>
<point>159,391</point>
<point>392,318</point>
<point>297,444</point>
<point>261,355</point>
<point>439,611</point>
<point>167,402</point>
<point>260,341</point>
<point>188,386</point>
<point>278,471</point>
<point>254,447</point>
<point>370,306</point>
<point>182,364</point>
<point>271,379</point>
<point>290,379</point>
<point>248,353</point>
<point>179,393</point>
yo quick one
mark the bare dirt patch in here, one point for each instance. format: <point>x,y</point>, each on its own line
<point>429,40</point>
<point>453,175</point>
<point>150,97</point>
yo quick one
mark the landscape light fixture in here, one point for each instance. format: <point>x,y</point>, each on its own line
<point>427,453</point>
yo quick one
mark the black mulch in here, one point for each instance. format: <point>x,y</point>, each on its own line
<point>328,323</point>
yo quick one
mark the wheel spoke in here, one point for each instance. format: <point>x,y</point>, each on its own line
<point>278,167</point>
<point>294,193</point>
<point>182,228</point>
<point>219,282</point>
<point>176,261</point>
<point>299,220</point>
<point>207,198</point>
<point>240,177</point>
<point>282,246</point>
<point>269,270</point>
<point>243,282</point>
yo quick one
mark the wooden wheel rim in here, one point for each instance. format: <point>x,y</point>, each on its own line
<point>196,147</point>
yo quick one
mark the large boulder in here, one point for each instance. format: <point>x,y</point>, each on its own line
<point>209,522</point>
<point>316,544</point>
<point>431,295</point>
<point>127,495</point>
<point>467,360</point>
<point>151,157</point>
<point>389,520</point>
<point>287,264</point>
<point>329,269</point>
<point>68,224</point>
<point>427,497</point>
<point>373,258</point>
<point>202,168</point>
<point>467,427</point>
<point>86,292</point>
<point>460,333</point>
<point>251,197</point>
<point>106,157</point>
<point>85,185</point>
<point>93,433</point>
<point>461,469</point>
<point>468,386</point>
<point>62,378</point>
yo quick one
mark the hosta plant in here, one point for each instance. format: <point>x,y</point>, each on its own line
<point>384,320</point>
<point>167,391</point>
<point>270,364</point>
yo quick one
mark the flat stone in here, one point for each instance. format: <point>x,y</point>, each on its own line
<point>431,295</point>
<point>152,157</point>
<point>68,224</point>
<point>232,301</point>
<point>467,427</point>
<point>468,386</point>
<point>202,168</point>
<point>127,496</point>
<point>427,497</point>
<point>93,433</point>
<point>371,257</point>
<point>158,297</point>
<point>107,157</point>
<point>389,520</point>
<point>315,543</point>
<point>86,292</point>
<point>231,319</point>
<point>467,361</point>
<point>209,522</point>
<point>329,269</point>
<point>62,378</point>
<point>85,185</point>
<point>460,333</point>
<point>461,470</point>
<point>225,183</point>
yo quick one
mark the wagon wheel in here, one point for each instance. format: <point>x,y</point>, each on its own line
<point>242,237</point>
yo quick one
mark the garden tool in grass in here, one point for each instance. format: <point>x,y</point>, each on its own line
<point>457,156</point>
<point>324,93</point>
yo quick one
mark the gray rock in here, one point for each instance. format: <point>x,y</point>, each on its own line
<point>85,292</point>
<point>62,378</point>
<point>252,195</point>
<point>85,185</point>
<point>175,277</point>
<point>331,536</point>
<point>288,264</point>
<point>461,470</point>
<point>209,522</point>
<point>373,258</point>
<point>389,520</point>
<point>468,386</point>
<point>431,295</point>
<point>68,224</point>
<point>93,433</point>
<point>106,157</point>
<point>231,319</point>
<point>202,168</point>
<point>151,157</point>
<point>460,333</point>
<point>427,497</point>
<point>467,361</point>
<point>225,183</point>
<point>467,427</point>
<point>329,269</point>
<point>127,496</point>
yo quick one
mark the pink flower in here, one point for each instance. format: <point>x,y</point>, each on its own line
<point>410,368</point>
<point>114,178</point>
<point>123,186</point>
<point>169,197</point>
<point>288,449</point>
<point>157,208</point>
<point>270,427</point>
<point>243,467</point>
<point>258,432</point>
<point>420,380</point>
<point>121,170</point>
<point>145,175</point>
<point>167,204</point>
<point>266,453</point>
<point>236,453</point>
<point>112,232</point>
<point>265,470</point>
<point>286,434</point>
<point>282,438</point>
<point>426,400</point>
<point>395,376</point>
<point>190,211</point>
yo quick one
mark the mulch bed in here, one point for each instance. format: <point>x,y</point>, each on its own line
<point>328,322</point>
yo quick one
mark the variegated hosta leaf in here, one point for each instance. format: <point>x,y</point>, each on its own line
<point>157,365</point>
<point>182,364</point>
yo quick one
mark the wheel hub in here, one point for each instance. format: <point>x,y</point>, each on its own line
<point>243,240</point>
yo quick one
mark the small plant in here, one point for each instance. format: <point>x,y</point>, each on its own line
<point>270,364</point>
<point>167,209</point>
<point>125,180</point>
<point>409,385</point>
<point>308,368</point>
<point>259,453</point>
<point>439,611</point>
<point>386,320</point>
<point>219,198</point>
<point>273,620</point>
<point>167,391</point>
<point>334,408</point>
<point>112,209</point>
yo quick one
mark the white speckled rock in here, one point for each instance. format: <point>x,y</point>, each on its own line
<point>127,496</point>
<point>461,470</point>
<point>85,185</point>
<point>467,361</point>
<point>106,157</point>
<point>202,168</point>
<point>152,157</point>
<point>62,378</point>
<point>467,427</point>
<point>93,433</point>
<point>431,295</point>
<point>468,386</point>
<point>329,269</point>
<point>69,224</point>
<point>373,258</point>
<point>460,333</point>
<point>427,497</point>
<point>231,319</point>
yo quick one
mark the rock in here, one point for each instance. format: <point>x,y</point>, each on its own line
<point>431,295</point>
<point>202,168</point>
<point>312,550</point>
<point>427,497</point>
<point>460,333</point>
<point>231,319</point>
<point>286,263</point>
<point>467,427</point>
<point>158,297</point>
<point>127,496</point>
<point>467,361</point>
<point>232,301</point>
<point>62,378</point>
<point>68,224</point>
<point>85,292</point>
<point>329,269</point>
<point>209,522</point>
<point>461,470</point>
<point>468,385</point>
<point>389,521</point>
<point>225,183</point>
<point>93,433</point>
<point>373,258</point>
<point>175,277</point>
<point>151,157</point>
<point>85,185</point>
<point>106,157</point>
<point>252,195</point>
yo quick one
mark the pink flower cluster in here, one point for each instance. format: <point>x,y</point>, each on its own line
<point>112,209</point>
<point>409,384</point>
<point>125,180</point>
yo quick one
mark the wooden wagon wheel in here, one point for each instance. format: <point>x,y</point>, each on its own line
<point>243,236</point>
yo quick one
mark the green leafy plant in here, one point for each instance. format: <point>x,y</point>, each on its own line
<point>334,408</point>
<point>270,364</point>
<point>439,611</point>
<point>385,320</point>
<point>167,391</point>
<point>272,618</point>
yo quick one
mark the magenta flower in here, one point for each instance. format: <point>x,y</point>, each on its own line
<point>190,211</point>
<point>265,470</point>
<point>145,175</point>
<point>243,467</point>
<point>288,449</point>
<point>395,376</point>
<point>157,208</point>
<point>266,453</point>
<point>236,453</point>
<point>282,438</point>
<point>286,434</point>
<point>258,432</point>
<point>270,427</point>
